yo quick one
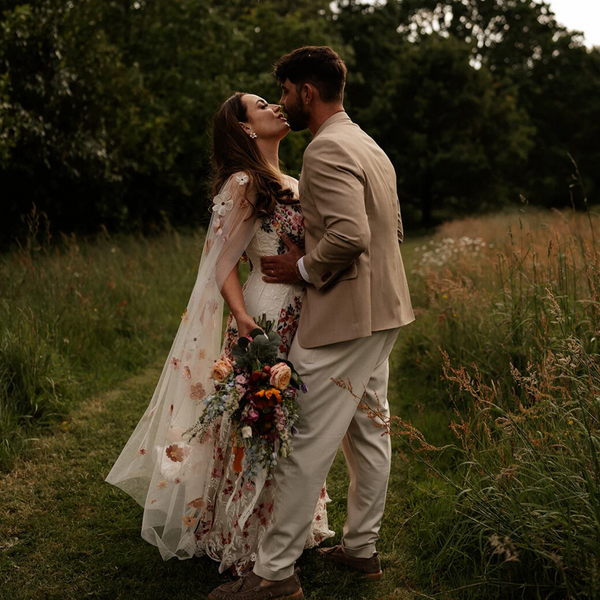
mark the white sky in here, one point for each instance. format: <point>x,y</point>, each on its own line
<point>580,15</point>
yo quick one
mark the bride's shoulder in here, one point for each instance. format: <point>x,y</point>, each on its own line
<point>292,182</point>
<point>290,179</point>
<point>239,185</point>
<point>239,178</point>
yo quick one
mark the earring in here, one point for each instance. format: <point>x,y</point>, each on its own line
<point>252,135</point>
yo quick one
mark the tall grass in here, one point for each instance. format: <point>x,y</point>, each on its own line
<point>508,340</point>
<point>77,317</point>
<point>499,380</point>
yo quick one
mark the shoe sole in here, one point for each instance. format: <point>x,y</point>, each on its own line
<point>373,576</point>
<point>340,561</point>
<point>295,596</point>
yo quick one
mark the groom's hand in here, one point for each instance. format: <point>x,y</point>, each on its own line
<point>283,268</point>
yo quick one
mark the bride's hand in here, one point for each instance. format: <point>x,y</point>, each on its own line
<point>245,325</point>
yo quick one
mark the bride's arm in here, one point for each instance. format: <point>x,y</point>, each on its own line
<point>233,296</point>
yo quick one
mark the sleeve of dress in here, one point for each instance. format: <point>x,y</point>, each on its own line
<point>159,467</point>
<point>232,225</point>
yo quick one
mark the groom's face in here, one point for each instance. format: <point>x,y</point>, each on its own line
<point>297,114</point>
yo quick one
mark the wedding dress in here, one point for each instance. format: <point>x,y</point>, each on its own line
<point>194,502</point>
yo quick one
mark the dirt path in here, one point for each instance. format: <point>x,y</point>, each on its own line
<point>65,534</point>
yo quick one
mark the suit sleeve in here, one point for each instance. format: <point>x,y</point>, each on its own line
<point>336,185</point>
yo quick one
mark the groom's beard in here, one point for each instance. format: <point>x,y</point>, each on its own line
<point>297,116</point>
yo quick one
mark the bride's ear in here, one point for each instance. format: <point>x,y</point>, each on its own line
<point>248,130</point>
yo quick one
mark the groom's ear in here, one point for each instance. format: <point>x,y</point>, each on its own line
<point>308,93</point>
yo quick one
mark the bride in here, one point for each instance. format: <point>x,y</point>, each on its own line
<point>194,501</point>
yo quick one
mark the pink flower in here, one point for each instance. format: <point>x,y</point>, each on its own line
<point>175,362</point>
<point>197,392</point>
<point>252,415</point>
<point>241,380</point>
<point>175,453</point>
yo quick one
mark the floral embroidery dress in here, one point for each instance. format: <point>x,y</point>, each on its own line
<point>194,502</point>
<point>219,533</point>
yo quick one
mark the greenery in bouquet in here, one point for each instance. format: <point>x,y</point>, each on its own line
<point>257,393</point>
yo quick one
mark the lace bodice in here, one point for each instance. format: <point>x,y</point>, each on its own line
<point>269,298</point>
<point>280,303</point>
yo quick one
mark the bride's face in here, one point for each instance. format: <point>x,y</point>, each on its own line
<point>264,119</point>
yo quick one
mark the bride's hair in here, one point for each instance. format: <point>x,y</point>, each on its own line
<point>233,151</point>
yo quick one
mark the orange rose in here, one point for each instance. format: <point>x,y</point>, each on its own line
<point>281,374</point>
<point>221,368</point>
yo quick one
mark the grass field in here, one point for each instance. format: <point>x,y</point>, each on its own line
<point>496,387</point>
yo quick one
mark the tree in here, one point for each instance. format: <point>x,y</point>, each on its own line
<point>106,103</point>
<point>551,80</point>
<point>454,134</point>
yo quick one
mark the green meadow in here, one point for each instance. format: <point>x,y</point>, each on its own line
<point>495,390</point>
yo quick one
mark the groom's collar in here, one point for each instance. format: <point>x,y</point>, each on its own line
<point>340,116</point>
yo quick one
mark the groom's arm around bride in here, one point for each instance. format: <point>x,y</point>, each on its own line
<point>356,300</point>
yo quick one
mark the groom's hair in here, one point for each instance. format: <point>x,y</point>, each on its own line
<point>320,66</point>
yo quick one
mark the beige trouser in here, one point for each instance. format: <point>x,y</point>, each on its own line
<point>330,416</point>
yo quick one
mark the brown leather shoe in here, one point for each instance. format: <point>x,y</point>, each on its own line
<point>250,588</point>
<point>371,567</point>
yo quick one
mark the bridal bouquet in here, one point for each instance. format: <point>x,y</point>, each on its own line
<point>257,392</point>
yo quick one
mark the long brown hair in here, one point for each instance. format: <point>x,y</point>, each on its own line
<point>233,151</point>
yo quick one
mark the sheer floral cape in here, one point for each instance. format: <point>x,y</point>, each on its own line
<point>158,467</point>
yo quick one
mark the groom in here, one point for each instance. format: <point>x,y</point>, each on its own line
<point>356,300</point>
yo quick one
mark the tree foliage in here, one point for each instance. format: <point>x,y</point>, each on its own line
<point>483,100</point>
<point>105,104</point>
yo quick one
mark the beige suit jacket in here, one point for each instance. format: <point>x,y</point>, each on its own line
<point>353,231</point>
